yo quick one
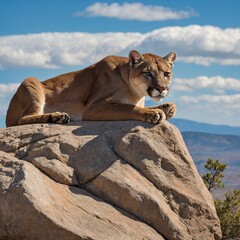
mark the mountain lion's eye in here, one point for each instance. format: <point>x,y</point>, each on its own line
<point>166,74</point>
<point>148,74</point>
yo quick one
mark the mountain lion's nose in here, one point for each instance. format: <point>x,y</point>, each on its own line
<point>160,89</point>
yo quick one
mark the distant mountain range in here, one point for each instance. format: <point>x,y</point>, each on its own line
<point>225,148</point>
<point>192,126</point>
<point>220,142</point>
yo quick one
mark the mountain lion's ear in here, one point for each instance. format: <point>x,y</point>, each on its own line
<point>171,57</point>
<point>135,57</point>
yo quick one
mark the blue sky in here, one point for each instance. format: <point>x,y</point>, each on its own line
<point>48,38</point>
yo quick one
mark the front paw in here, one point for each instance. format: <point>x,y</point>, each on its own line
<point>169,109</point>
<point>155,116</point>
<point>59,118</point>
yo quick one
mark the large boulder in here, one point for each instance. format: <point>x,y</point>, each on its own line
<point>101,180</point>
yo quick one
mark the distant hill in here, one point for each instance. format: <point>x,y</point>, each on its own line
<point>192,126</point>
<point>225,148</point>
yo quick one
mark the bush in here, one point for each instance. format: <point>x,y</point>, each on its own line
<point>228,211</point>
<point>213,179</point>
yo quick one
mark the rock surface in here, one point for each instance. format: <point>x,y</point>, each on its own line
<point>101,180</point>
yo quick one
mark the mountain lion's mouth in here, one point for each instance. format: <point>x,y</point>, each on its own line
<point>156,95</point>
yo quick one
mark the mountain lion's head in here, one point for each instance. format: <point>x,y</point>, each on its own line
<point>151,75</point>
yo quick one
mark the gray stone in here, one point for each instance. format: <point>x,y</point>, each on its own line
<point>132,180</point>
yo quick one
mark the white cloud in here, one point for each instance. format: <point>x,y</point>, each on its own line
<point>203,45</point>
<point>216,109</point>
<point>215,83</point>
<point>52,50</point>
<point>6,89</point>
<point>134,11</point>
<point>6,93</point>
<point>207,99</point>
<point>231,101</point>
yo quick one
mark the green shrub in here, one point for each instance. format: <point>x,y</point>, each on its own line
<point>213,179</point>
<point>228,210</point>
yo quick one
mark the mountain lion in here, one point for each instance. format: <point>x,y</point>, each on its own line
<point>112,89</point>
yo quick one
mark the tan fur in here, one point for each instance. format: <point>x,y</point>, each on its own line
<point>112,89</point>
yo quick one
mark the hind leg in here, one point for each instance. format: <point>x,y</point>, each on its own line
<point>56,117</point>
<point>32,97</point>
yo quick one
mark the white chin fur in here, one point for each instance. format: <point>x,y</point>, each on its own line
<point>157,96</point>
<point>164,93</point>
<point>155,93</point>
<point>157,99</point>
